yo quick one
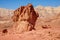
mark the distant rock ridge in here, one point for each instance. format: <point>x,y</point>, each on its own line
<point>5,14</point>
<point>47,13</point>
<point>26,18</point>
<point>49,17</point>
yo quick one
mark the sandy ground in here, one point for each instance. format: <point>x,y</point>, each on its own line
<point>45,34</point>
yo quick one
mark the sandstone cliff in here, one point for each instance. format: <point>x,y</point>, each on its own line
<point>25,16</point>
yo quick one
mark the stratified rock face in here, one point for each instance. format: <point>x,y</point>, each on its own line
<point>25,16</point>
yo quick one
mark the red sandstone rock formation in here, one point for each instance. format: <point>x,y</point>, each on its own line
<point>26,17</point>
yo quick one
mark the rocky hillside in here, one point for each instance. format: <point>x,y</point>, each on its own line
<point>29,23</point>
<point>48,17</point>
<point>5,18</point>
<point>48,13</point>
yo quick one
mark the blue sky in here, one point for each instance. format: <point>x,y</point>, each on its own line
<point>14,4</point>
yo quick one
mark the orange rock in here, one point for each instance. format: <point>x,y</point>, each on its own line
<point>17,13</point>
<point>24,16</point>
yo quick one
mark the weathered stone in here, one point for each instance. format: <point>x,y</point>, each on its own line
<point>26,17</point>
